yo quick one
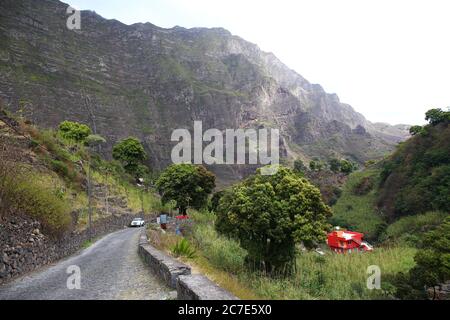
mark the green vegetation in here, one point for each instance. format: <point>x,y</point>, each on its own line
<point>23,190</point>
<point>186,184</point>
<point>269,214</point>
<point>74,131</point>
<point>410,229</point>
<point>416,130</point>
<point>436,116</point>
<point>299,166</point>
<point>183,249</point>
<point>416,177</point>
<point>223,253</point>
<point>130,153</point>
<point>43,174</point>
<point>356,211</point>
<point>432,265</point>
<point>315,165</point>
<point>331,276</point>
<point>343,166</point>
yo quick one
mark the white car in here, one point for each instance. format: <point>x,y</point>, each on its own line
<point>137,222</point>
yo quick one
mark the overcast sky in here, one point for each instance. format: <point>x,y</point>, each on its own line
<point>389,59</point>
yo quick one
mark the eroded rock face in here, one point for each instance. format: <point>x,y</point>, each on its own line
<point>146,81</point>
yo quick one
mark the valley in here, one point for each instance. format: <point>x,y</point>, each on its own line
<point>240,168</point>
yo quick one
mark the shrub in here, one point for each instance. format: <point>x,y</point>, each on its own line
<point>299,166</point>
<point>183,248</point>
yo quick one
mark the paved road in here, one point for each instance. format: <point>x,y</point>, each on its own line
<point>110,269</point>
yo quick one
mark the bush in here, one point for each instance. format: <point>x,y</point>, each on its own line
<point>183,248</point>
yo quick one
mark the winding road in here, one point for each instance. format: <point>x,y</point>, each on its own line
<point>109,269</point>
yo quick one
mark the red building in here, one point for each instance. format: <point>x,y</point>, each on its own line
<point>342,241</point>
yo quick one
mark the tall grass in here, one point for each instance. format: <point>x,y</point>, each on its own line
<point>223,253</point>
<point>410,228</point>
<point>358,212</point>
<point>335,276</point>
<point>26,191</point>
<point>136,197</point>
<point>332,276</point>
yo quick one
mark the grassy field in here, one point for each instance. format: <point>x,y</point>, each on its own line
<point>331,276</point>
<point>358,212</point>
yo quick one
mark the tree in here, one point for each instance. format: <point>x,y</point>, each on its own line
<point>347,167</point>
<point>187,184</point>
<point>315,164</point>
<point>435,116</point>
<point>299,167</point>
<point>74,131</point>
<point>415,130</point>
<point>335,165</point>
<point>269,214</point>
<point>432,265</point>
<point>130,153</point>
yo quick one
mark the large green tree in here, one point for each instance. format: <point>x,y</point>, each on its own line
<point>130,153</point>
<point>269,214</point>
<point>187,184</point>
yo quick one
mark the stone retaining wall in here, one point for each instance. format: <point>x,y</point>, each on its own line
<point>24,247</point>
<point>165,267</point>
<point>199,287</point>
<point>178,276</point>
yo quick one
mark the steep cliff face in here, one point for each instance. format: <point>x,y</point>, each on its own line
<point>145,81</point>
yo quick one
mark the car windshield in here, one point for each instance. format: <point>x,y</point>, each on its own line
<point>137,219</point>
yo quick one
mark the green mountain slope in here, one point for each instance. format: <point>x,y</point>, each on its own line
<point>408,192</point>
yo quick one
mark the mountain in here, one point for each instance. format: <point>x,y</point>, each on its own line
<point>146,81</point>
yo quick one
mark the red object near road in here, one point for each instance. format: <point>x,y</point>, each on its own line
<point>181,217</point>
<point>343,241</point>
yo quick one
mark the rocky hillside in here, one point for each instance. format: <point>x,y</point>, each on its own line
<point>145,81</point>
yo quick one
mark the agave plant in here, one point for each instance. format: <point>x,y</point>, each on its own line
<point>183,248</point>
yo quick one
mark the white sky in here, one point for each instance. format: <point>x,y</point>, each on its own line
<point>389,59</point>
